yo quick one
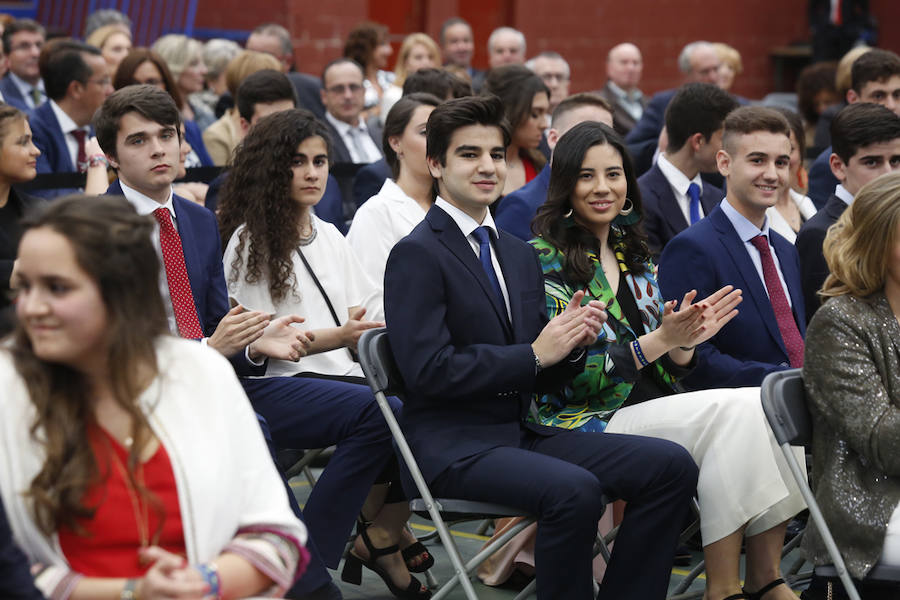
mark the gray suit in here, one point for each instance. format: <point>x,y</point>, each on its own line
<point>623,122</point>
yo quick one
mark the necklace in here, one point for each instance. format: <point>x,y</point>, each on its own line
<point>306,241</point>
<point>141,511</point>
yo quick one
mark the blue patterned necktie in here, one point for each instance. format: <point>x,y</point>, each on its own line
<point>483,236</point>
<point>694,193</point>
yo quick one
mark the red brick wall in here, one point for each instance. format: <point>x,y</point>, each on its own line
<point>581,30</point>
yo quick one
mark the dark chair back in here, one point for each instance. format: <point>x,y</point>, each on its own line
<point>784,402</point>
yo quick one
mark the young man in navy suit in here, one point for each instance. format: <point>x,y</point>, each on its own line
<point>673,192</point>
<point>468,325</point>
<point>733,245</point>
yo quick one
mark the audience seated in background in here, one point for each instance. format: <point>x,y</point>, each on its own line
<point>217,53</point>
<point>554,71</point>
<point>184,58</point>
<point>458,48</point>
<point>368,45</point>
<point>515,211</point>
<point>77,80</point>
<point>842,82</point>
<point>418,51</point>
<point>144,66</point>
<point>22,85</point>
<point>865,144</point>
<point>734,245</point>
<point>468,386</point>
<point>631,376</point>
<point>355,140</point>
<point>283,260</point>
<point>852,379</point>
<point>506,46</point>
<point>698,63</point>
<point>674,194</point>
<point>624,65</point>
<point>793,209</point>
<point>875,77</point>
<point>404,198</point>
<point>105,16</point>
<point>526,99</point>
<point>816,93</point>
<point>730,65</point>
<point>114,43</point>
<point>106,428</point>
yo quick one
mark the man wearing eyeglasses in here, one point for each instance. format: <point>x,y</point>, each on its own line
<point>22,86</point>
<point>78,81</point>
<point>355,141</point>
<point>553,69</point>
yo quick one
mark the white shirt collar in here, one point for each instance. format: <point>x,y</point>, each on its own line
<point>145,205</point>
<point>344,128</point>
<point>25,87</point>
<point>466,223</point>
<point>678,180</point>
<point>66,124</point>
<point>632,96</point>
<point>841,192</point>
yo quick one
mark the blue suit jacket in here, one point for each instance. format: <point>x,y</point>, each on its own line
<point>51,141</point>
<point>642,139</point>
<point>15,577</point>
<point>202,249</point>
<point>368,181</point>
<point>469,373</point>
<point>663,218</point>
<point>821,180</point>
<point>12,95</point>
<point>709,255</point>
<point>517,209</point>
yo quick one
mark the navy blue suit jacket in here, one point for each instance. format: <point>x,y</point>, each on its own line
<point>12,95</point>
<point>51,141</point>
<point>15,578</point>
<point>517,209</point>
<point>469,373</point>
<point>368,181</point>
<point>642,139</point>
<point>809,242</point>
<point>709,255</point>
<point>202,249</point>
<point>663,218</point>
<point>821,180</point>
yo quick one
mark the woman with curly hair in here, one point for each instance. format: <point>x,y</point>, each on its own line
<point>590,238</point>
<point>108,423</point>
<point>368,45</point>
<point>282,259</point>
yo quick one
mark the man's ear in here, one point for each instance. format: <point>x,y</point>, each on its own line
<point>434,167</point>
<point>245,127</point>
<point>838,168</point>
<point>852,96</point>
<point>552,138</point>
<point>723,162</point>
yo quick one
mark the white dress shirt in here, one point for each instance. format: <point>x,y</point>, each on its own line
<point>679,183</point>
<point>467,225</point>
<point>67,126</point>
<point>631,102</point>
<point>362,149</point>
<point>25,89</point>
<point>841,192</point>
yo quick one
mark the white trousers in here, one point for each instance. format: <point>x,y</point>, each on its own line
<point>744,478</point>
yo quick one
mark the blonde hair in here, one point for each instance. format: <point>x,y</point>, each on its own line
<point>409,42</point>
<point>245,64</point>
<point>178,51</point>
<point>729,55</point>
<point>842,78</point>
<point>857,246</point>
<point>100,36</point>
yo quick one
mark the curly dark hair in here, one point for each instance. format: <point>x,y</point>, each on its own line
<point>362,41</point>
<point>257,194</point>
<point>573,240</point>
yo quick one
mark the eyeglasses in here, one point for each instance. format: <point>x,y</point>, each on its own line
<point>106,81</point>
<point>354,88</point>
<point>26,46</point>
<point>548,77</point>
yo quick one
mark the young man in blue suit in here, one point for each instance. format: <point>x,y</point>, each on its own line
<point>733,245</point>
<point>468,325</point>
<point>138,129</point>
<point>674,194</point>
<point>517,209</point>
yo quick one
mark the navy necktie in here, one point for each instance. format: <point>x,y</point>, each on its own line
<point>694,193</point>
<point>483,236</point>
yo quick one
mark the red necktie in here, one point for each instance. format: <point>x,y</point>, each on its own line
<point>177,277</point>
<point>81,159</point>
<point>790,334</point>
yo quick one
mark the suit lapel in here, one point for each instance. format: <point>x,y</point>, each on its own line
<point>341,154</point>
<point>192,260</point>
<point>668,206</point>
<point>710,198</point>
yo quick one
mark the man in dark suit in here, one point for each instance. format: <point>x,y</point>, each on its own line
<point>673,192</point>
<point>624,66</point>
<point>467,323</point>
<point>698,62</point>
<point>15,577</point>
<point>137,128</point>
<point>865,144</point>
<point>733,245</point>
<point>22,86</point>
<point>78,81</point>
<point>458,48</point>
<point>517,209</point>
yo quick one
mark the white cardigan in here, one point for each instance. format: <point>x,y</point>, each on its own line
<point>224,474</point>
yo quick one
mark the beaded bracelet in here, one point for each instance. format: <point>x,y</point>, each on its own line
<point>129,592</point>
<point>636,346</point>
<point>211,576</point>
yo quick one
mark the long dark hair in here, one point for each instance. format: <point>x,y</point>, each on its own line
<point>517,86</point>
<point>135,58</point>
<point>257,194</point>
<point>573,240</point>
<point>112,245</point>
<point>396,122</point>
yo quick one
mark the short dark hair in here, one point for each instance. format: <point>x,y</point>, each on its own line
<point>516,87</point>
<point>450,23</point>
<point>796,124</point>
<point>263,87</point>
<point>63,64</point>
<point>340,61</point>
<point>20,25</point>
<point>696,108</point>
<point>148,101</point>
<point>577,101</point>
<point>397,120</point>
<point>462,112</point>
<point>750,119</point>
<point>437,82</point>
<point>862,124</point>
<point>814,79</point>
<point>874,65</point>
<point>135,58</point>
<point>362,41</point>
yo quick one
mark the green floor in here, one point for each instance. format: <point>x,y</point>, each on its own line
<point>469,543</point>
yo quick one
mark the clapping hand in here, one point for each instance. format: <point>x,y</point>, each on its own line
<point>693,324</point>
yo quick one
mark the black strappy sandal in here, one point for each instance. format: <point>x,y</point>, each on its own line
<point>758,594</point>
<point>352,572</point>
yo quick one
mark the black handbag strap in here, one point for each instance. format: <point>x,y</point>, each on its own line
<point>315,279</point>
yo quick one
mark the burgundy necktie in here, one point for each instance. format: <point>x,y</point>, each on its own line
<point>81,159</point>
<point>790,334</point>
<point>177,277</point>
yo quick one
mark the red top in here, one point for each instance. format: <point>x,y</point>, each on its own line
<point>110,548</point>
<point>530,170</point>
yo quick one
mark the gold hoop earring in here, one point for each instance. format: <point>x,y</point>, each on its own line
<point>630,207</point>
